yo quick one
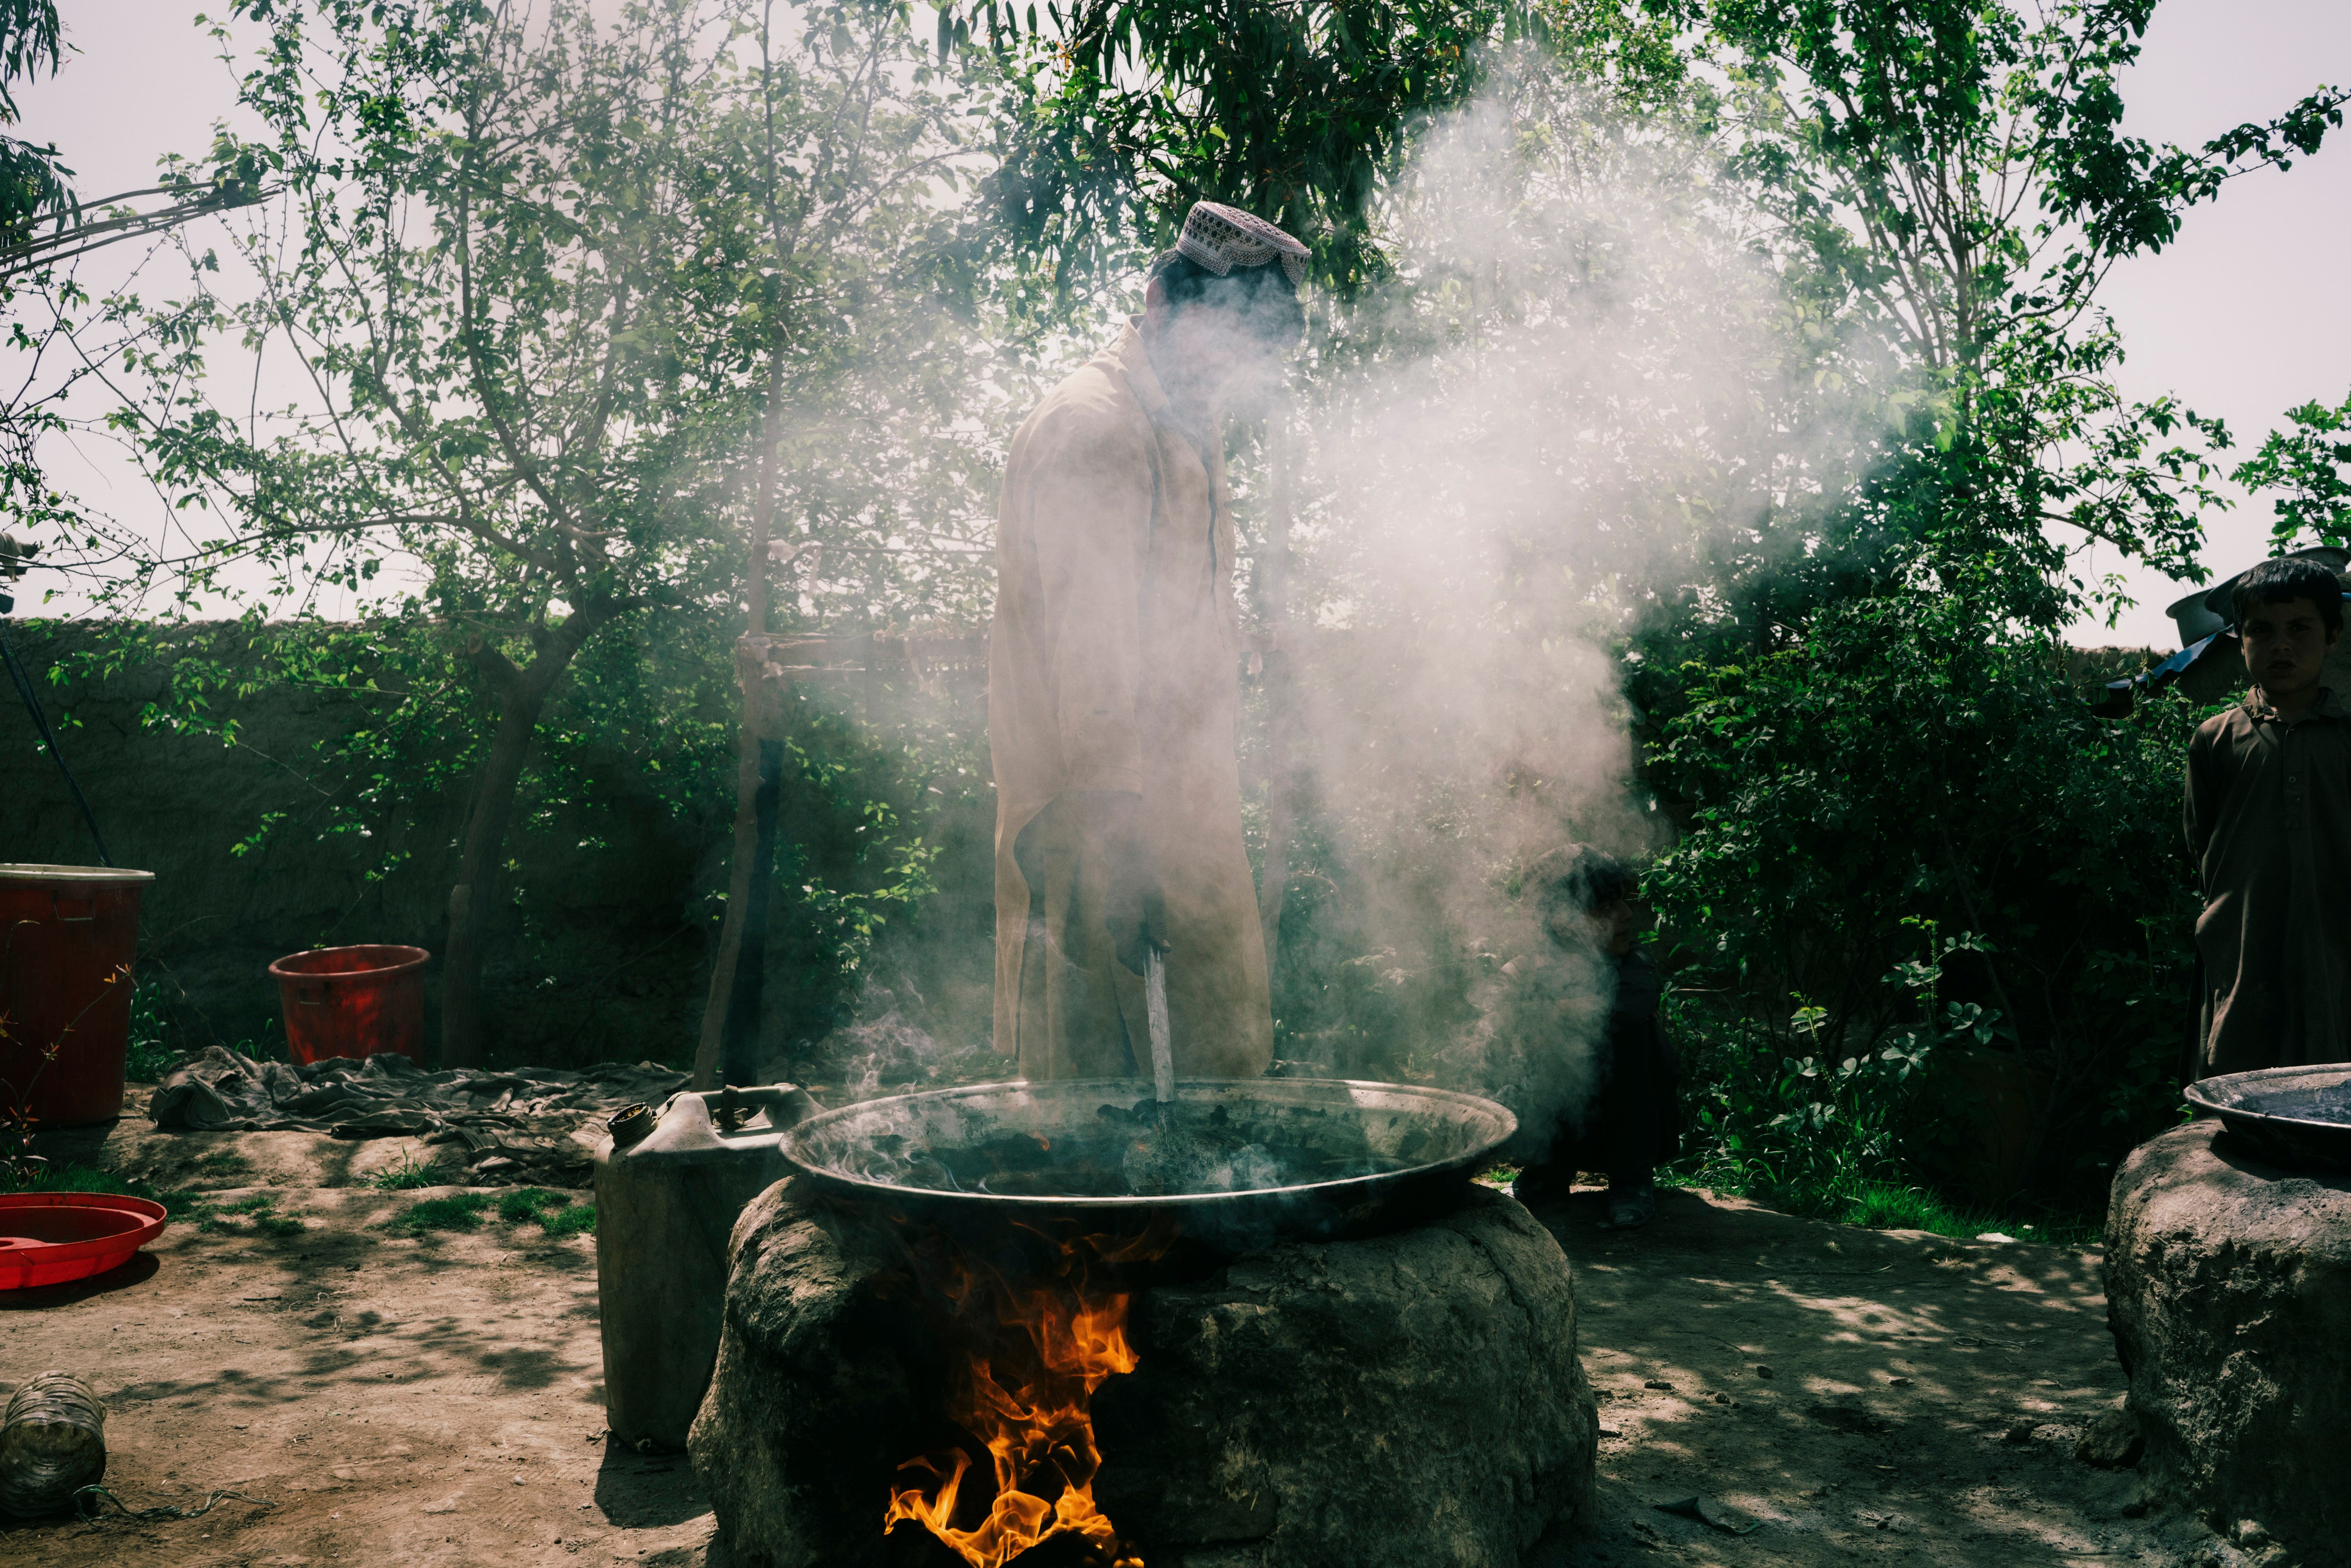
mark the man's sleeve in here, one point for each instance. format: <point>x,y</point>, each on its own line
<point>2203,799</point>
<point>1093,497</point>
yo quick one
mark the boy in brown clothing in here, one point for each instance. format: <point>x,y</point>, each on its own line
<point>2269,821</point>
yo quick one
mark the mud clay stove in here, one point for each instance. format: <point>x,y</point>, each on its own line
<point>2229,1288</point>
<point>1306,1337</point>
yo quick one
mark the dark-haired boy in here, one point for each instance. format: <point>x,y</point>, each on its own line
<point>2269,821</point>
<point>1628,1125</point>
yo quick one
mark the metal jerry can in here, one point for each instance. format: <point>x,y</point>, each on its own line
<point>668,1190</point>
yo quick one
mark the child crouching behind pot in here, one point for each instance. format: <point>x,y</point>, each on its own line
<point>1627,1124</point>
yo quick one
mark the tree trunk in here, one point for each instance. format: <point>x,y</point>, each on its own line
<point>522,695</point>
<point>731,1015</point>
<point>732,1011</point>
<point>1280,700</point>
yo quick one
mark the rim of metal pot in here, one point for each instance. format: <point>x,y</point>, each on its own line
<point>1133,1089</point>
<point>99,874</point>
<point>2197,1095</point>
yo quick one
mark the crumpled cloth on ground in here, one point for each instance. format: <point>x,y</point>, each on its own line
<point>514,1124</point>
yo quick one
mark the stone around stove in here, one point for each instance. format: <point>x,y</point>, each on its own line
<point>2229,1291</point>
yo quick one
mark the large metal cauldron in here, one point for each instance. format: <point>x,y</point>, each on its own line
<point>2298,1116</point>
<point>1234,1162</point>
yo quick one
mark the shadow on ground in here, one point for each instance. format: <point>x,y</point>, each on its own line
<point>645,1492</point>
<point>44,1298</point>
<point>1879,1395</point>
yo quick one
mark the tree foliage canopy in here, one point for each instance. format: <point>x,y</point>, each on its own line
<point>1134,110</point>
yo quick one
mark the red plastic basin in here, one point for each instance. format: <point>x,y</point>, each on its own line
<point>353,1001</point>
<point>49,1238</point>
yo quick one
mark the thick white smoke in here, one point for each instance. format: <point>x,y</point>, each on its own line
<point>1582,394</point>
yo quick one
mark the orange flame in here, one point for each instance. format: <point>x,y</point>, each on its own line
<point>1025,1387</point>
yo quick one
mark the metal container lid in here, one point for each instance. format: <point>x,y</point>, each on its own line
<point>2221,600</point>
<point>2195,618</point>
<point>81,876</point>
<point>685,1129</point>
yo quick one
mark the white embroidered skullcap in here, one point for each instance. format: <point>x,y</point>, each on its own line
<point>1221,238</point>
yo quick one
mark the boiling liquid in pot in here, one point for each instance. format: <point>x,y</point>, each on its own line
<point>1133,1151</point>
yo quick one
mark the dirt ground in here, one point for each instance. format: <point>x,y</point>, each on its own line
<point>411,1402</point>
<point>1921,1405</point>
<point>400,1401</point>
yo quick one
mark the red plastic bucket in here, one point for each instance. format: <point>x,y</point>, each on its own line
<point>353,1001</point>
<point>67,934</point>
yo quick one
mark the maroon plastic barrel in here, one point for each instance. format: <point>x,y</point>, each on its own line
<point>353,1001</point>
<point>67,934</point>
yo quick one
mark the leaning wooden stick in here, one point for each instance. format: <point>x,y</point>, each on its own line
<point>1154,1004</point>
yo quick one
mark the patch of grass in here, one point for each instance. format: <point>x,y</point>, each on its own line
<point>180,1205</point>
<point>577,1219</point>
<point>269,1045</point>
<point>558,1213</point>
<point>1881,1205</point>
<point>254,1213</point>
<point>224,1163</point>
<point>458,1212</point>
<point>518,1204</point>
<point>81,1179</point>
<point>555,1212</point>
<point>151,1060</point>
<point>148,1059</point>
<point>1884,1204</point>
<point>409,1174</point>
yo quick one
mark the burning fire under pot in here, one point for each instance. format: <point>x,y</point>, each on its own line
<point>1024,1227</point>
<point>1108,1178</point>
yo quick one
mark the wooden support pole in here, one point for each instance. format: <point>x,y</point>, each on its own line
<point>738,1044</point>
<point>730,1014</point>
<point>734,984</point>
<point>1280,697</point>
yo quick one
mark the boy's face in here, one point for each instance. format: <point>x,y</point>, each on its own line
<point>2285,646</point>
<point>1609,926</point>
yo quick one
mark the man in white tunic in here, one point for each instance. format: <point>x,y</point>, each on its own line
<point>1114,680</point>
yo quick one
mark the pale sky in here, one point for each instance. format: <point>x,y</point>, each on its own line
<point>2248,315</point>
<point>2245,316</point>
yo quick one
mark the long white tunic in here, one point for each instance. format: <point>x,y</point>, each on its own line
<point>1113,666</point>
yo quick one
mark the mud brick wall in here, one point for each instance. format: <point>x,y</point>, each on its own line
<point>612,968</point>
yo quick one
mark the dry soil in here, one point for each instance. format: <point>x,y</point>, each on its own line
<point>399,1401</point>
<point>405,1401</point>
<point>1867,1397</point>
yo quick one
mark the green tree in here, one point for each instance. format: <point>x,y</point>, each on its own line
<point>44,225</point>
<point>2310,462</point>
<point>1892,734</point>
<point>1117,115</point>
<point>1955,175</point>
<point>32,179</point>
<point>546,299</point>
<point>1912,760</point>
